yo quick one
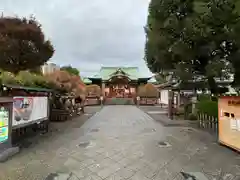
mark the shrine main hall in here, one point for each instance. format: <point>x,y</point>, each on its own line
<point>119,82</point>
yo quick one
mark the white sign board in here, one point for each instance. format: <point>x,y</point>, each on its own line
<point>29,109</point>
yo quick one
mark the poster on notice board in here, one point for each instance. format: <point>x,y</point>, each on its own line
<point>29,109</point>
<point>4,119</point>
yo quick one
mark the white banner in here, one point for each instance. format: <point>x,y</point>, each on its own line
<point>29,109</point>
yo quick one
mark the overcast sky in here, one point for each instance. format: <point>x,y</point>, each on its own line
<point>88,34</point>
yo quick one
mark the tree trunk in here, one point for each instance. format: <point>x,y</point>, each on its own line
<point>212,85</point>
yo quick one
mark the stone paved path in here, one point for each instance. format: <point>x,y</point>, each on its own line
<point>123,142</point>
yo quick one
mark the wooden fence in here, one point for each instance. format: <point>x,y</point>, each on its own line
<point>208,122</point>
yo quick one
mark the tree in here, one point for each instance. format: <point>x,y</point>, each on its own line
<point>148,90</point>
<point>167,22</point>
<point>67,82</point>
<point>193,39</point>
<point>25,78</point>
<point>22,44</point>
<point>36,70</point>
<point>8,78</point>
<point>70,70</point>
<point>78,86</point>
<point>160,78</point>
<point>93,90</point>
<point>61,79</point>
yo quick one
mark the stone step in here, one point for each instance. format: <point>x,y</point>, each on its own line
<point>119,101</point>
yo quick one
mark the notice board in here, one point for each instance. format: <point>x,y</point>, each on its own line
<point>27,110</point>
<point>229,121</point>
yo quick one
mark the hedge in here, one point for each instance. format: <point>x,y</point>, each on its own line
<point>56,82</point>
<point>208,107</point>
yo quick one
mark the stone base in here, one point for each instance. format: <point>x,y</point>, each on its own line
<point>7,153</point>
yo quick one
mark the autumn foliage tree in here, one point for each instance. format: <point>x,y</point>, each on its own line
<point>60,79</point>
<point>93,90</point>
<point>71,70</point>
<point>148,90</point>
<point>69,83</point>
<point>78,87</point>
<point>23,45</point>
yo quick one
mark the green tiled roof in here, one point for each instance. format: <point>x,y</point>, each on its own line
<point>106,73</point>
<point>152,80</point>
<point>27,88</point>
<point>87,81</point>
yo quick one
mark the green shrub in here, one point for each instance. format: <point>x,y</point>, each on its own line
<point>8,78</point>
<point>25,78</point>
<point>192,117</point>
<point>204,97</point>
<point>39,81</point>
<point>214,98</point>
<point>208,107</point>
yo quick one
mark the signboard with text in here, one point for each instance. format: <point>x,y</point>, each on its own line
<point>4,120</point>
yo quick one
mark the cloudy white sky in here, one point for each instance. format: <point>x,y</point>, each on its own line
<point>88,34</point>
